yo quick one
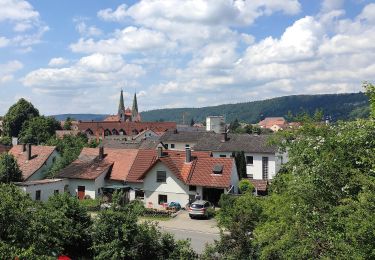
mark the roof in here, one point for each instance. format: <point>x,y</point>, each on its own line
<point>260,185</point>
<point>148,143</point>
<point>200,171</point>
<point>39,155</point>
<point>122,160</point>
<point>85,169</point>
<point>236,142</point>
<point>38,182</point>
<point>270,121</point>
<point>184,136</point>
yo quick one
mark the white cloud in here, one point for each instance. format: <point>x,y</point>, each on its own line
<point>28,29</point>
<point>117,15</point>
<point>94,71</point>
<point>57,62</point>
<point>130,39</point>
<point>8,69</point>
<point>87,31</point>
<point>4,42</point>
<point>329,5</point>
<point>17,10</point>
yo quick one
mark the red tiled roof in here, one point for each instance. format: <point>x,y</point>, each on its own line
<point>88,170</point>
<point>260,185</point>
<point>143,161</point>
<point>39,155</point>
<point>198,172</point>
<point>203,174</point>
<point>270,121</point>
<point>128,127</point>
<point>122,159</point>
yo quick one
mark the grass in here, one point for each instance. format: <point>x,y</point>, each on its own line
<point>155,218</point>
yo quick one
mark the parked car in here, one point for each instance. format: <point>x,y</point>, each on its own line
<point>201,208</point>
<point>175,205</point>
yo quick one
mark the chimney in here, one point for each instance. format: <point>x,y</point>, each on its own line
<point>160,150</point>
<point>101,152</point>
<point>23,148</point>
<point>224,135</point>
<point>28,152</point>
<point>188,155</point>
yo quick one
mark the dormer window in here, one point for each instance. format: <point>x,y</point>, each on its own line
<point>218,169</point>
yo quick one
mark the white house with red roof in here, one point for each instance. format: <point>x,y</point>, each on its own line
<point>178,176</point>
<point>34,160</point>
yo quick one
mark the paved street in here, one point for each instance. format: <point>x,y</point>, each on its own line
<point>200,231</point>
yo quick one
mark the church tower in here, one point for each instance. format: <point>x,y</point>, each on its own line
<point>121,107</point>
<point>135,108</point>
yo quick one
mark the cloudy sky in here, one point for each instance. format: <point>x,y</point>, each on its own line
<point>75,56</point>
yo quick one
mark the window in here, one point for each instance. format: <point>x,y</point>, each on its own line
<point>249,160</point>
<point>37,195</point>
<point>139,194</point>
<point>166,146</point>
<point>99,191</point>
<point>192,188</point>
<point>187,145</point>
<point>162,199</point>
<point>56,192</point>
<point>223,155</point>
<point>161,176</point>
<point>265,168</point>
<point>172,146</point>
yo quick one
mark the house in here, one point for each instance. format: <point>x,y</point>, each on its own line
<point>41,190</point>
<point>273,123</point>
<point>97,168</point>
<point>215,123</point>
<point>263,161</point>
<point>145,134</point>
<point>180,140</point>
<point>178,176</point>
<point>34,160</point>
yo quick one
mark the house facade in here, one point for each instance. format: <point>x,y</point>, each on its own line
<point>41,190</point>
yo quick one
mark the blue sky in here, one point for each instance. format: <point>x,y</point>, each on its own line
<point>75,56</point>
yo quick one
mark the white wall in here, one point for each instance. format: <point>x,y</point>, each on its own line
<point>91,186</point>
<point>215,123</point>
<point>175,189</point>
<point>40,174</point>
<point>145,134</point>
<point>47,189</point>
<point>255,169</point>
<point>179,146</point>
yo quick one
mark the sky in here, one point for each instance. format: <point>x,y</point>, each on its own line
<point>75,56</point>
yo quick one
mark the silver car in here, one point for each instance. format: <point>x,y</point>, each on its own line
<point>200,208</point>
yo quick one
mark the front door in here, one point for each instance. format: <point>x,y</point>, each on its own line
<point>81,192</point>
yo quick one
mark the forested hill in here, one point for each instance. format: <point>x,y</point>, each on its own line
<point>338,106</point>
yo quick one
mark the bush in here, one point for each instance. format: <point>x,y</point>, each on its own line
<point>246,186</point>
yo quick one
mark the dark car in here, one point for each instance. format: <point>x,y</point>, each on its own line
<point>200,208</point>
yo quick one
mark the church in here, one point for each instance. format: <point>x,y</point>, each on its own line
<point>127,122</point>
<point>126,115</point>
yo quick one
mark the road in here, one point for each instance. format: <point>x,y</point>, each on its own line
<point>198,239</point>
<point>200,231</point>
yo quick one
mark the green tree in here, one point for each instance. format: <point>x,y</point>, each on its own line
<point>39,130</point>
<point>246,186</point>
<point>234,125</point>
<point>6,140</point>
<point>370,92</point>
<point>74,234</point>
<point>318,115</point>
<point>117,234</point>
<point>192,122</point>
<point>240,163</point>
<point>239,217</point>
<point>9,170</point>
<point>68,124</point>
<point>17,115</point>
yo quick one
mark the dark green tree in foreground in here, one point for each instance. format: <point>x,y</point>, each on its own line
<point>117,234</point>
<point>240,163</point>
<point>68,124</point>
<point>17,115</point>
<point>321,204</point>
<point>39,130</point>
<point>9,170</point>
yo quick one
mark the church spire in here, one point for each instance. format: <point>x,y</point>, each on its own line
<point>135,107</point>
<point>121,106</point>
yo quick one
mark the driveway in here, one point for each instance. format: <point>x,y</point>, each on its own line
<point>200,231</point>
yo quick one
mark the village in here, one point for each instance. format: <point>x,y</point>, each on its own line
<point>156,162</point>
